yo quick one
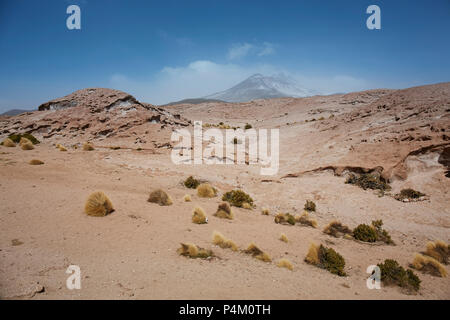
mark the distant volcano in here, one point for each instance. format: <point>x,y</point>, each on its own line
<point>262,87</point>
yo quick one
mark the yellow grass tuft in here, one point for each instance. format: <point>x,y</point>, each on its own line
<point>306,220</point>
<point>257,253</point>
<point>312,256</point>
<point>62,148</point>
<point>187,198</point>
<point>192,251</point>
<point>98,205</point>
<point>199,216</point>
<point>284,238</point>
<point>285,263</point>
<point>438,250</point>
<point>221,241</point>
<point>8,143</point>
<point>160,197</point>
<point>36,162</point>
<point>27,146</point>
<point>205,190</point>
<point>87,146</point>
<point>247,206</point>
<point>24,140</point>
<point>224,211</point>
<point>265,212</point>
<point>429,265</point>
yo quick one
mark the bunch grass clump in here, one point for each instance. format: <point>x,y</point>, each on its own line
<point>326,258</point>
<point>199,216</point>
<point>205,190</point>
<point>428,265</point>
<point>191,183</point>
<point>409,194</point>
<point>284,218</point>
<point>36,162</point>
<point>87,146</point>
<point>62,148</point>
<point>337,229</point>
<point>98,205</point>
<point>305,220</point>
<point>284,238</point>
<point>257,253</point>
<point>310,206</point>
<point>237,198</point>
<point>247,206</point>
<point>285,263</point>
<point>220,240</point>
<point>224,211</point>
<point>27,146</point>
<point>192,251</point>
<point>368,181</point>
<point>394,274</point>
<point>438,250</point>
<point>265,212</point>
<point>187,198</point>
<point>8,143</point>
<point>160,197</point>
<point>16,137</point>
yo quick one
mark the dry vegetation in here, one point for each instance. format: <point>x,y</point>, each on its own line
<point>98,205</point>
<point>199,216</point>
<point>160,197</point>
<point>224,211</point>
<point>220,240</point>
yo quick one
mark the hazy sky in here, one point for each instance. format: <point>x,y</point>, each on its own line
<point>162,51</point>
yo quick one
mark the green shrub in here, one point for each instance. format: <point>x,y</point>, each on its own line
<point>17,136</point>
<point>394,274</point>
<point>409,194</point>
<point>191,183</point>
<point>331,261</point>
<point>368,181</point>
<point>365,233</point>
<point>290,219</point>
<point>248,126</point>
<point>310,206</point>
<point>237,198</point>
<point>382,235</point>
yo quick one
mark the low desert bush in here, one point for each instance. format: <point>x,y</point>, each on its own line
<point>284,238</point>
<point>247,206</point>
<point>192,251</point>
<point>368,181</point>
<point>27,146</point>
<point>394,274</point>
<point>247,126</point>
<point>199,216</point>
<point>285,263</point>
<point>305,220</point>
<point>382,235</point>
<point>224,211</point>
<point>337,229</point>
<point>326,258</point>
<point>438,250</point>
<point>24,140</point>
<point>224,243</point>
<point>409,194</point>
<point>87,146</point>
<point>8,143</point>
<point>16,137</point>
<point>98,205</point>
<point>114,147</point>
<point>62,148</point>
<point>257,253</point>
<point>205,190</point>
<point>428,265</point>
<point>265,212</point>
<point>191,183</point>
<point>310,206</point>
<point>284,218</point>
<point>372,233</point>
<point>36,162</point>
<point>187,198</point>
<point>237,198</point>
<point>160,197</point>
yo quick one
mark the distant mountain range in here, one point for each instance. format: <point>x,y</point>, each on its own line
<point>259,86</point>
<point>14,112</point>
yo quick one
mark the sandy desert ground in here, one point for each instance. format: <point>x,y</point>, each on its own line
<point>131,254</point>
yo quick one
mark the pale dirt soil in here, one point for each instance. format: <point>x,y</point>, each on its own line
<point>131,254</point>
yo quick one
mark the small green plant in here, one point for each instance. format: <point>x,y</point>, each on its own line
<point>394,274</point>
<point>365,233</point>
<point>331,261</point>
<point>191,183</point>
<point>17,136</point>
<point>247,126</point>
<point>368,181</point>
<point>310,206</point>
<point>237,198</point>
<point>382,235</point>
<point>409,194</point>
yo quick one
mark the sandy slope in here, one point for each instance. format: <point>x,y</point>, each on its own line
<point>131,253</point>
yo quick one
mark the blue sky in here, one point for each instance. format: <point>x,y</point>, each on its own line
<point>162,51</point>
